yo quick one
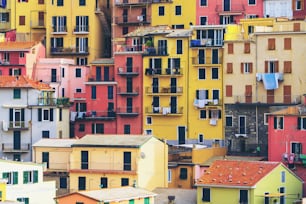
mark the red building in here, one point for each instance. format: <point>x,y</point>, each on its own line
<point>287,138</point>
<point>299,10</point>
<point>227,11</point>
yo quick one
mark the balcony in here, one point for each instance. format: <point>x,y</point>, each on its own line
<point>164,111</point>
<point>45,101</point>
<point>125,91</point>
<point>153,51</point>
<point>164,72</point>
<point>233,9</point>
<point>69,50</point>
<point>132,2</point>
<point>62,102</point>
<point>81,29</point>
<point>128,71</point>
<point>128,48</point>
<point>268,99</point>
<point>208,42</point>
<point>95,115</point>
<point>128,111</point>
<point>18,125</point>
<point>59,30</point>
<point>207,61</point>
<point>133,20</point>
<point>202,103</point>
<point>94,78</point>
<point>16,148</point>
<point>164,90</point>
<point>79,96</point>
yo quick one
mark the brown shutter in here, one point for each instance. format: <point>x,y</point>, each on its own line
<point>241,68</point>
<point>296,27</point>
<point>229,69</point>
<point>287,66</point>
<point>287,94</point>
<point>247,47</point>
<point>266,66</point>
<point>230,48</point>
<point>271,44</point>
<point>248,90</point>
<point>276,66</point>
<point>251,67</point>
<point>229,91</point>
<point>287,44</point>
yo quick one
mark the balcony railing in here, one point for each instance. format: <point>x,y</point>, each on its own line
<point>156,51</point>
<point>11,147</point>
<point>170,111</point>
<point>128,111</point>
<point>20,125</point>
<point>79,96</point>
<point>201,103</point>
<point>128,71</point>
<point>209,42</point>
<point>233,8</point>
<point>46,101</point>
<point>268,99</point>
<point>94,78</point>
<point>133,20</point>
<point>129,48</point>
<point>131,2</point>
<point>96,115</point>
<point>69,50</point>
<point>81,29</point>
<point>206,60</point>
<point>176,90</point>
<point>164,72</point>
<point>128,91</point>
<point>59,29</point>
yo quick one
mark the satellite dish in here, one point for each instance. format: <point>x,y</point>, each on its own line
<point>142,155</point>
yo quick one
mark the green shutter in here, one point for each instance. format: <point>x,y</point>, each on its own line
<point>299,123</point>
<point>35,175</point>
<point>15,177</point>
<point>25,177</point>
<point>281,121</point>
<point>26,200</point>
<point>275,122</point>
<point>4,175</point>
<point>147,201</point>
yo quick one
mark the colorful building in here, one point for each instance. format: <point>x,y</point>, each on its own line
<point>24,182</point>
<point>299,10</point>
<point>124,195</point>
<point>267,61</point>
<point>111,161</point>
<point>29,112</point>
<point>248,182</point>
<point>278,8</point>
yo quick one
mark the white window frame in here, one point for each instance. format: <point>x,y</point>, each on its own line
<point>212,94</point>
<point>278,118</point>
<point>252,4</point>
<point>6,57</point>
<point>239,125</point>
<point>246,67</point>
<point>21,54</point>
<point>147,120</point>
<point>76,90</point>
<point>298,5</point>
<point>10,179</point>
<point>266,118</point>
<point>214,114</point>
<point>47,111</point>
<point>302,126</point>
<point>271,66</point>
<point>203,17</point>
<point>214,68</point>
<point>231,116</point>
<point>203,5</point>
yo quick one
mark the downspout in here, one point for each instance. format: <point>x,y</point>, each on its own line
<point>256,89</point>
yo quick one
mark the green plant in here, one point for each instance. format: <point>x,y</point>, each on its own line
<point>149,43</point>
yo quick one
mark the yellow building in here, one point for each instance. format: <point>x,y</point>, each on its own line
<point>109,161</point>
<point>165,82</point>
<point>173,13</point>
<point>3,190</point>
<point>249,182</point>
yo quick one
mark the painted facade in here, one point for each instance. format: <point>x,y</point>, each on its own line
<point>25,181</point>
<point>279,8</point>
<point>272,49</point>
<point>299,10</point>
<point>248,182</point>
<point>111,161</point>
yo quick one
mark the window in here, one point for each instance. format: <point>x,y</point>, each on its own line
<point>63,72</point>
<point>298,4</point>
<point>242,124</point>
<point>81,24</point>
<point>201,138</point>
<point>41,1</point>
<point>202,94</point>
<point>178,10</point>
<point>247,48</point>
<point>301,123</point>
<point>93,92</point>
<point>45,158</point>
<point>82,183</point>
<point>214,73</point>
<point>252,2</point>
<point>17,93</point>
<point>203,114</point>
<point>45,134</point>
<point>84,159</point>
<point>30,177</point>
<point>11,177</point>
<point>228,90</point>
<point>127,129</point>
<point>243,197</point>
<point>45,114</point>
<point>124,181</point>
<point>4,17</point>
<point>229,68</point>
<point>82,128</point>
<point>287,66</point>
<point>214,113</point>
<point>21,20</point>
<point>266,118</point>
<point>296,148</point>
<point>149,120</point>
<point>60,2</point>
<point>278,122</point>
<point>81,61</point>
<point>110,94</point>
<point>148,132</point>
<point>63,182</point>
<point>125,30</point>
<point>283,176</point>
<point>203,2</point>
<point>271,66</point>
<point>127,165</point>
<point>228,121</point>
<point>201,74</point>
<point>215,94</point>
<point>169,175</point>
<point>17,157</point>
<point>161,10</point>
<point>179,47</point>
<point>183,173</point>
<point>97,128</point>
<point>82,2</point>
<point>203,20</point>
<point>103,182</point>
<point>246,68</point>
<point>6,57</point>
<point>78,73</point>
<point>21,54</point>
<point>271,44</point>
<point>230,48</point>
<point>250,29</point>
<point>78,90</point>
<point>206,195</point>
<point>287,43</point>
<point>23,200</point>
<point>201,56</point>
<point>59,24</point>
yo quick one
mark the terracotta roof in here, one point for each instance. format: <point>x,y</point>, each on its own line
<point>225,173</point>
<point>22,82</point>
<point>13,45</point>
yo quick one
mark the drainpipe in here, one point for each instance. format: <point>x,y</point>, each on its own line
<point>256,88</point>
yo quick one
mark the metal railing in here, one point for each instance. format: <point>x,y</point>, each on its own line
<point>164,89</point>
<point>164,71</point>
<point>11,147</point>
<point>287,99</point>
<point>164,110</point>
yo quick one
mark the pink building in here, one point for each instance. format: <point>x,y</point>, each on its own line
<point>287,138</point>
<point>227,11</point>
<point>18,58</point>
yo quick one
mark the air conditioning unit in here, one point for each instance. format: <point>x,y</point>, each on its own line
<point>140,18</point>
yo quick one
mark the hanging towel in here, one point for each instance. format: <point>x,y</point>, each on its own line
<point>270,81</point>
<point>73,116</point>
<point>202,94</point>
<point>196,102</point>
<point>202,103</point>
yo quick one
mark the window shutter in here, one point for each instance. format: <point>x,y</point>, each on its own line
<point>287,66</point>
<point>276,66</point>
<point>241,68</point>
<point>25,177</point>
<point>51,114</point>
<point>219,113</point>
<point>39,114</point>
<point>299,123</point>
<point>11,114</point>
<point>197,94</point>
<point>22,114</point>
<point>281,123</point>
<point>5,175</point>
<point>11,72</point>
<point>251,67</point>
<point>35,176</point>
<point>209,114</point>
<point>229,69</point>
<point>15,177</point>
<point>229,91</point>
<point>275,122</point>
<point>266,66</point>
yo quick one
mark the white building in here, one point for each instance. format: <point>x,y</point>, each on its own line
<point>278,8</point>
<point>25,182</point>
<point>28,113</point>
